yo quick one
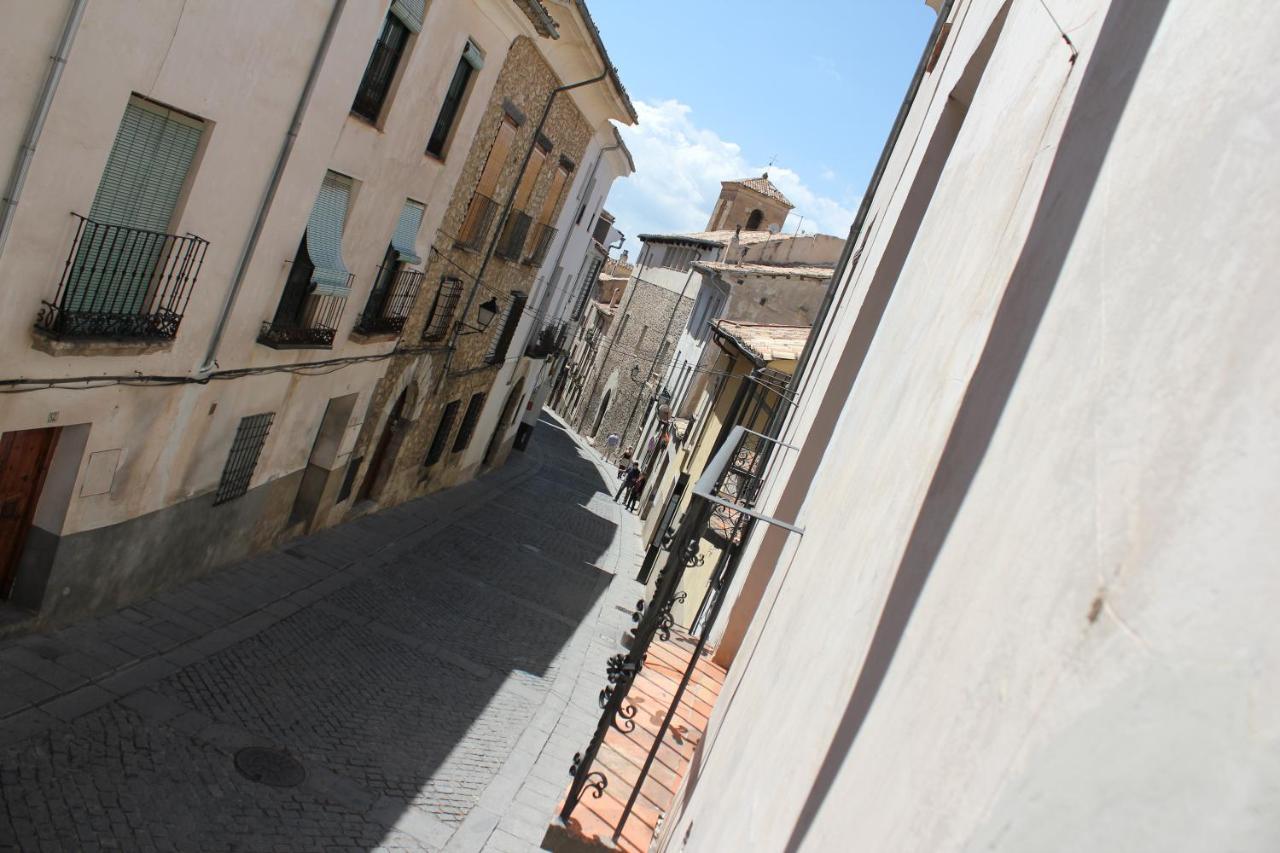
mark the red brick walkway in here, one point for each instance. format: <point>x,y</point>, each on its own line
<point>622,754</point>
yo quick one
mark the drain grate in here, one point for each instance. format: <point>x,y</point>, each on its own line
<point>273,767</point>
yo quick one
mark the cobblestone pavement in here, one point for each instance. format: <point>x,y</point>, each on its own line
<point>432,667</point>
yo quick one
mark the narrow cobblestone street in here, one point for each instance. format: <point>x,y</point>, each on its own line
<point>433,667</point>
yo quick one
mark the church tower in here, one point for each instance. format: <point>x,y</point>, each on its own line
<point>752,204</point>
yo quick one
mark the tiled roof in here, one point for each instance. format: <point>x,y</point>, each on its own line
<point>765,342</point>
<point>540,18</point>
<point>781,270</point>
<point>763,186</point>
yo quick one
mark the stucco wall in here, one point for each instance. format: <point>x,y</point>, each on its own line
<point>1030,609</point>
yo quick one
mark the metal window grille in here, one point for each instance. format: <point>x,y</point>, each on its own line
<point>389,303</point>
<point>436,450</point>
<point>378,74</point>
<point>502,342</point>
<point>469,419</point>
<point>442,308</point>
<point>242,459</point>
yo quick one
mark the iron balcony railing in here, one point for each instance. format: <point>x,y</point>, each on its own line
<point>546,342</point>
<point>511,243</point>
<point>475,228</point>
<point>543,234</point>
<point>123,283</point>
<point>314,324</point>
<point>387,310</point>
<point>378,74</point>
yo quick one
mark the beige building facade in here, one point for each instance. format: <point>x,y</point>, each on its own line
<point>220,235</point>
<point>1037,467</point>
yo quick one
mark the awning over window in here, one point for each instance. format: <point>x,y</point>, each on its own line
<point>324,236</point>
<point>406,235</point>
<point>410,12</point>
<point>472,55</point>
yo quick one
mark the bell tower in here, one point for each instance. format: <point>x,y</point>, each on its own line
<point>752,204</point>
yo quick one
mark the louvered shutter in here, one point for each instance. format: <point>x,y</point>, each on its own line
<point>406,234</point>
<point>410,13</point>
<point>145,172</point>
<point>324,236</point>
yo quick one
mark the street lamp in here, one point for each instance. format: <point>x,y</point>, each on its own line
<point>485,312</point>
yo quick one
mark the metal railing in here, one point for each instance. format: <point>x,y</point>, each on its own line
<point>314,325</point>
<point>511,243</point>
<point>378,74</point>
<point>654,618</point>
<point>123,283</point>
<point>546,342</point>
<point>387,311</point>
<point>543,234</point>
<point>441,314</point>
<point>475,227</point>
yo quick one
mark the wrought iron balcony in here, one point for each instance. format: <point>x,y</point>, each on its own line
<point>475,228</point>
<point>123,283</point>
<point>389,303</point>
<point>547,342</point>
<point>543,234</point>
<point>511,243</point>
<point>312,323</point>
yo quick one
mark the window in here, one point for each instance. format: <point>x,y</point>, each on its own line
<point>246,447</point>
<point>471,62</point>
<point>442,308</point>
<point>381,69</point>
<point>126,274</point>
<point>544,233</point>
<point>511,244</point>
<point>502,342</point>
<point>475,227</point>
<point>436,450</point>
<point>349,480</point>
<point>469,419</point>
<point>318,283</point>
<point>394,287</point>
<point>753,221</point>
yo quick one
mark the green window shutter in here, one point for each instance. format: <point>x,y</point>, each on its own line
<point>324,236</point>
<point>140,186</point>
<point>406,234</point>
<point>410,12</point>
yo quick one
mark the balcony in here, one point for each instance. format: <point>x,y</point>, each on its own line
<point>309,323</point>
<point>389,306</point>
<point>123,283</point>
<point>543,234</point>
<point>547,342</point>
<point>511,243</point>
<point>475,228</point>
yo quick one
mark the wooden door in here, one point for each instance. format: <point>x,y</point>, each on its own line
<point>373,478</point>
<point>24,459</point>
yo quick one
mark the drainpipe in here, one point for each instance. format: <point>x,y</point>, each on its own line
<point>35,126</point>
<point>506,213</point>
<point>273,184</point>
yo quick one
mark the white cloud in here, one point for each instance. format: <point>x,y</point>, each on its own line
<point>679,167</point>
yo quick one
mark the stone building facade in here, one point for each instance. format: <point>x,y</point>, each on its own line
<point>421,434</point>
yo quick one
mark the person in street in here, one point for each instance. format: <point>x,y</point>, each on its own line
<point>611,444</point>
<point>628,477</point>
<point>637,489</point>
<point>624,461</point>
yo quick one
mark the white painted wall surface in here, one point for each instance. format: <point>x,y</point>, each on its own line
<point>1033,606</point>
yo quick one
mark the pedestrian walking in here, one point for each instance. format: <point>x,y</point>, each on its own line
<point>611,444</point>
<point>628,477</point>
<point>624,462</point>
<point>637,489</point>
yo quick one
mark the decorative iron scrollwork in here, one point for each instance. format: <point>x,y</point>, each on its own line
<point>595,780</point>
<point>668,622</point>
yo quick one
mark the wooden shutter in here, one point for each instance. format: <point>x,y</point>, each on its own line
<point>488,184</point>
<point>530,178</point>
<point>552,201</point>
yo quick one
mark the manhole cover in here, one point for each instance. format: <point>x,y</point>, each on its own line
<point>273,767</point>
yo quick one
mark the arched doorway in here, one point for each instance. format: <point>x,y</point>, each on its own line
<point>604,407</point>
<point>374,476</point>
<point>504,420</point>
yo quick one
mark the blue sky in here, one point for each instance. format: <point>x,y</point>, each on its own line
<point>724,86</point>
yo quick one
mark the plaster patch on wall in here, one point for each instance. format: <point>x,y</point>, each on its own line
<point>99,472</point>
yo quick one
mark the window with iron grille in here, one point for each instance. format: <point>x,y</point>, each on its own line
<point>436,450</point>
<point>246,447</point>
<point>378,74</point>
<point>469,419</point>
<point>502,341</point>
<point>442,308</point>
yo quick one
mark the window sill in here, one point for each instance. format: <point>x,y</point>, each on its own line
<point>439,158</point>
<point>62,346</point>
<point>372,124</point>
<point>373,338</point>
<point>282,345</point>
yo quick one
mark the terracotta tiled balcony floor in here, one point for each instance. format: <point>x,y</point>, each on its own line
<point>623,753</point>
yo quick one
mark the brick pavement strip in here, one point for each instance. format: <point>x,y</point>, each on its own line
<point>426,665</point>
